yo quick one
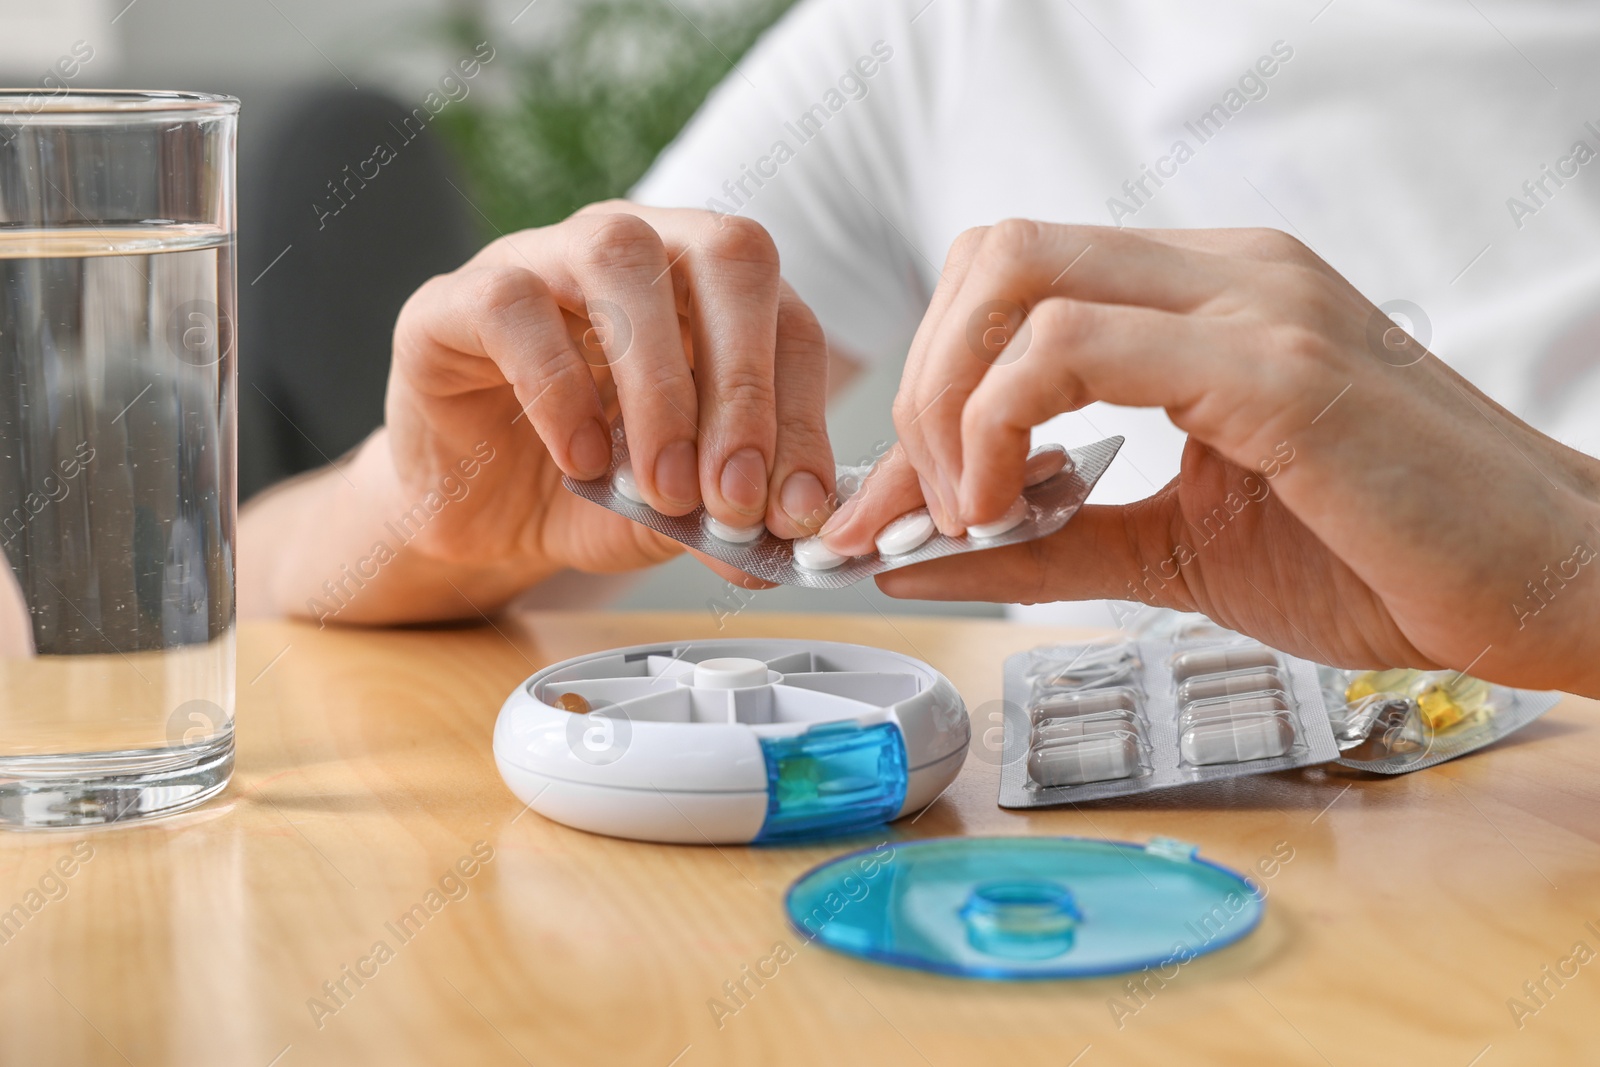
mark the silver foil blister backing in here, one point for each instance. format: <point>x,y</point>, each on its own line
<point>1051,504</point>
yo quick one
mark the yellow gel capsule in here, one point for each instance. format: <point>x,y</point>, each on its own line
<point>1452,700</point>
<point>1438,710</point>
<point>1399,680</point>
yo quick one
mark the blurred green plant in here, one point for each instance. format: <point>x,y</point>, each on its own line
<point>580,115</point>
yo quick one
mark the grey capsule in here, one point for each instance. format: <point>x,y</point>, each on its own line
<point>1234,707</point>
<point>1087,702</point>
<point>1218,660</point>
<point>1052,731</point>
<point>1233,683</point>
<point>1236,740</point>
<point>1090,759</point>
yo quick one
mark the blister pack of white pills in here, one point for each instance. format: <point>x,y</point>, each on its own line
<point>1106,719</point>
<point>1058,481</point>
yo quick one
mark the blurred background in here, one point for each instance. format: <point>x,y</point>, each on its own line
<point>368,162</point>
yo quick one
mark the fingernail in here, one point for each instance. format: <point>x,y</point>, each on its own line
<point>804,500</point>
<point>678,474</point>
<point>589,451</point>
<point>744,481</point>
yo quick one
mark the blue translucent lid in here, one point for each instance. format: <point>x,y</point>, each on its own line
<point>1024,907</point>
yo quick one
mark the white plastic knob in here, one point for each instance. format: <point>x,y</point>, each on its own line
<point>729,672</point>
<point>906,534</point>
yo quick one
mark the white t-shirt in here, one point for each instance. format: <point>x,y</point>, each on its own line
<point>1431,155</point>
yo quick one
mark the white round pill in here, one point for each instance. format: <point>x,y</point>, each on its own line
<point>738,535</point>
<point>813,555</point>
<point>1044,464</point>
<point>1004,524</point>
<point>906,534</point>
<point>624,484</point>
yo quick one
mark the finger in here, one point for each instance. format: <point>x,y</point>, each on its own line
<point>620,266</point>
<point>803,469</point>
<point>1095,556</point>
<point>1017,264</point>
<point>909,399</point>
<point>1083,352</point>
<point>725,273</point>
<point>731,266</point>
<point>506,324</point>
<point>891,490</point>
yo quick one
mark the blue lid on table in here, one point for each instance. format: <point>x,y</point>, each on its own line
<point>1025,907</point>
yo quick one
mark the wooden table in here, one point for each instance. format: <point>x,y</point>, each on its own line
<point>1411,911</point>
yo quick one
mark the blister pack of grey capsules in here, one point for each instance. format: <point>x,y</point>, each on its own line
<point>1057,482</point>
<point>1106,719</point>
<point>1402,720</point>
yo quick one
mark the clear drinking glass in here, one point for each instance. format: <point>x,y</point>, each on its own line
<point>117,454</point>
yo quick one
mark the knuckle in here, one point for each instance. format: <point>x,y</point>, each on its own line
<point>499,292</point>
<point>1274,245</point>
<point>801,437</point>
<point>613,206</point>
<point>1304,292</point>
<point>745,391</point>
<point>620,240</point>
<point>736,239</point>
<point>1012,236</point>
<point>966,243</point>
<point>904,412</point>
<point>976,421</point>
<point>429,294</point>
<point>1296,344</point>
<point>798,325</point>
<point>1064,323</point>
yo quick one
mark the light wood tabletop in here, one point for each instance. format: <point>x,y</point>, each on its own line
<point>1404,915</point>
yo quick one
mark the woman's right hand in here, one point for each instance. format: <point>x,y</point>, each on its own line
<point>677,319</point>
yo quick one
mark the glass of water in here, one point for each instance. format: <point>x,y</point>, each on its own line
<point>117,461</point>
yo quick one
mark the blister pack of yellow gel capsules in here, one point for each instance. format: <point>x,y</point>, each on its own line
<point>1396,721</point>
<point>1106,719</point>
<point>1056,483</point>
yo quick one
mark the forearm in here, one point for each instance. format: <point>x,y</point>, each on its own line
<point>338,546</point>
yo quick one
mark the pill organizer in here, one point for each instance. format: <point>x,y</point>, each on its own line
<point>1106,719</point>
<point>731,741</point>
<point>1056,483</point>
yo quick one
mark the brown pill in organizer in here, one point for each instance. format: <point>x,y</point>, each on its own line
<point>572,702</point>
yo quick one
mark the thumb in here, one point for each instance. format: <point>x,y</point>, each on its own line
<point>1105,552</point>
